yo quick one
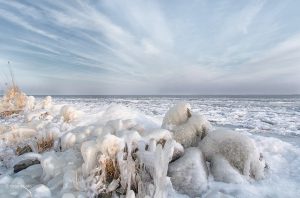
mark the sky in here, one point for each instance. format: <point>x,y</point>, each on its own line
<point>143,47</point>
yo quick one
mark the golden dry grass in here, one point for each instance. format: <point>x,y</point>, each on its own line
<point>44,144</point>
<point>111,170</point>
<point>5,114</point>
<point>15,96</point>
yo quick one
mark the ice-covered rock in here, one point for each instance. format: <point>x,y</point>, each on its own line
<point>177,115</point>
<point>192,131</point>
<point>189,173</point>
<point>188,128</point>
<point>34,171</point>
<point>240,151</point>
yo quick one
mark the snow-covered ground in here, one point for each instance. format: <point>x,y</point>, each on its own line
<point>273,122</point>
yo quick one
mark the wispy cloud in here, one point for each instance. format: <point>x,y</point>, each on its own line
<point>197,47</point>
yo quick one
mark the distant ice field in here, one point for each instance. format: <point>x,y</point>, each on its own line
<point>256,114</point>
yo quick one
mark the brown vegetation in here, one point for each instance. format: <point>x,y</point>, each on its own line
<point>44,144</point>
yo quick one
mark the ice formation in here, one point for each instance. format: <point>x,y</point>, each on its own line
<point>240,151</point>
<point>119,152</point>
<point>68,113</point>
<point>188,128</point>
<point>192,131</point>
<point>177,115</point>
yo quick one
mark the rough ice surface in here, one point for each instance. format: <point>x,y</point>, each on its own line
<point>97,136</point>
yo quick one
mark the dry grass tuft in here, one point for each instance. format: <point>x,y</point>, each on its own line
<point>13,102</point>
<point>5,114</point>
<point>44,144</point>
<point>162,142</point>
<point>111,170</point>
<point>16,97</point>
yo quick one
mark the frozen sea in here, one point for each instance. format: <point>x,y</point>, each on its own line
<point>272,121</point>
<point>266,115</point>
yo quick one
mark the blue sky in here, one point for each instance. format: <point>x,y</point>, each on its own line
<point>151,47</point>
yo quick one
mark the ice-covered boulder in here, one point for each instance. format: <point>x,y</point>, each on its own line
<point>177,115</point>
<point>192,131</point>
<point>189,173</point>
<point>238,149</point>
<point>188,128</point>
